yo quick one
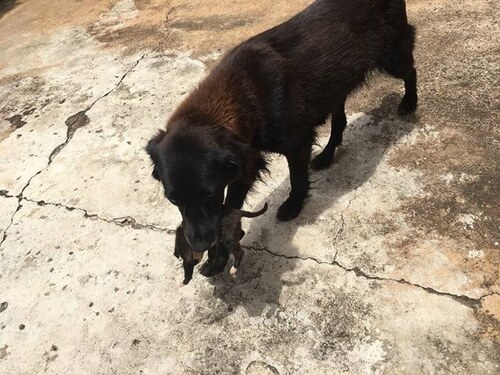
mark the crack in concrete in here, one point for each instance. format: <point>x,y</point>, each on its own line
<point>80,119</point>
<point>342,225</point>
<point>73,123</point>
<point>473,303</point>
<point>128,221</point>
<point>125,221</point>
<point>4,237</point>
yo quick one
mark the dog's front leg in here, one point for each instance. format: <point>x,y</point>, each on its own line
<point>298,163</point>
<point>218,257</point>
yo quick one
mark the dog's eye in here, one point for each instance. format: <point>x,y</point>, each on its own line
<point>173,201</point>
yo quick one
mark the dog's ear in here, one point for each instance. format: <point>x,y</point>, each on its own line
<point>230,165</point>
<point>151,149</point>
<point>242,161</point>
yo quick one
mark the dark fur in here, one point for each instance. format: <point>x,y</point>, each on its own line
<point>268,95</point>
<point>228,242</point>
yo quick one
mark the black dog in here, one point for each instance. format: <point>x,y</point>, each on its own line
<point>228,242</point>
<point>268,95</point>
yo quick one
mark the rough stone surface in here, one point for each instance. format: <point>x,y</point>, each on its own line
<point>393,267</point>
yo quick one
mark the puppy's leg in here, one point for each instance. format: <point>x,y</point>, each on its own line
<point>188,273</point>
<point>238,256</point>
<point>298,163</point>
<point>218,257</point>
<point>339,122</point>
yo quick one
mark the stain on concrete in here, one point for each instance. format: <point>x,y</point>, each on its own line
<point>210,23</point>
<point>3,352</point>
<point>16,121</point>
<point>49,357</point>
<point>73,123</point>
<point>261,368</point>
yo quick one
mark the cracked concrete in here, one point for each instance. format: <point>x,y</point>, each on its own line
<point>393,266</point>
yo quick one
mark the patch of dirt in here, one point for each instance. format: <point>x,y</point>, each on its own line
<point>210,23</point>
<point>202,26</point>
<point>132,32</point>
<point>459,102</point>
<point>131,38</point>
<point>489,317</point>
<point>40,16</point>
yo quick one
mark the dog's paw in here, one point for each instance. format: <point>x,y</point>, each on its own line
<point>290,209</point>
<point>233,271</point>
<point>211,269</point>
<point>407,106</point>
<point>322,161</point>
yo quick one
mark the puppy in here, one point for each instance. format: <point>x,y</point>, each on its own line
<point>229,242</point>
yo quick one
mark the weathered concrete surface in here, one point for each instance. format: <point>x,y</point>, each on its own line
<point>393,267</point>
<point>112,288</point>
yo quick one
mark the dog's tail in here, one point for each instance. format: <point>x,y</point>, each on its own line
<point>254,214</point>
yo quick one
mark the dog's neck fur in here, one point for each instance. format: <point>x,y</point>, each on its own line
<point>218,102</point>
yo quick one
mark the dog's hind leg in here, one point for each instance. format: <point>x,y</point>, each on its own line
<point>339,123</point>
<point>298,163</point>
<point>409,102</point>
<point>398,62</point>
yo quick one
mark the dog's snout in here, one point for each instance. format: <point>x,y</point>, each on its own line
<point>201,242</point>
<point>202,245</point>
<point>201,227</point>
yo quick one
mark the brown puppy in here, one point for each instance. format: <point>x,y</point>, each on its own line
<point>229,242</point>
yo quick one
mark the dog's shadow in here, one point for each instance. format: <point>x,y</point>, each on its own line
<point>259,283</point>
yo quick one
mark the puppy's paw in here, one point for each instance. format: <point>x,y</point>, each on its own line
<point>233,271</point>
<point>182,285</point>
<point>290,209</point>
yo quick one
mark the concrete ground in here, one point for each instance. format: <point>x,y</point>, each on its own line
<point>392,268</point>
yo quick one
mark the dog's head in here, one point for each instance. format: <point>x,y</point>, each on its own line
<point>195,164</point>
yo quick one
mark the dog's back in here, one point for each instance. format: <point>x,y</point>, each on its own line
<point>300,69</point>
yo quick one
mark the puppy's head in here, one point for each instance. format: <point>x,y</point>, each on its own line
<point>195,164</point>
<point>183,251</point>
